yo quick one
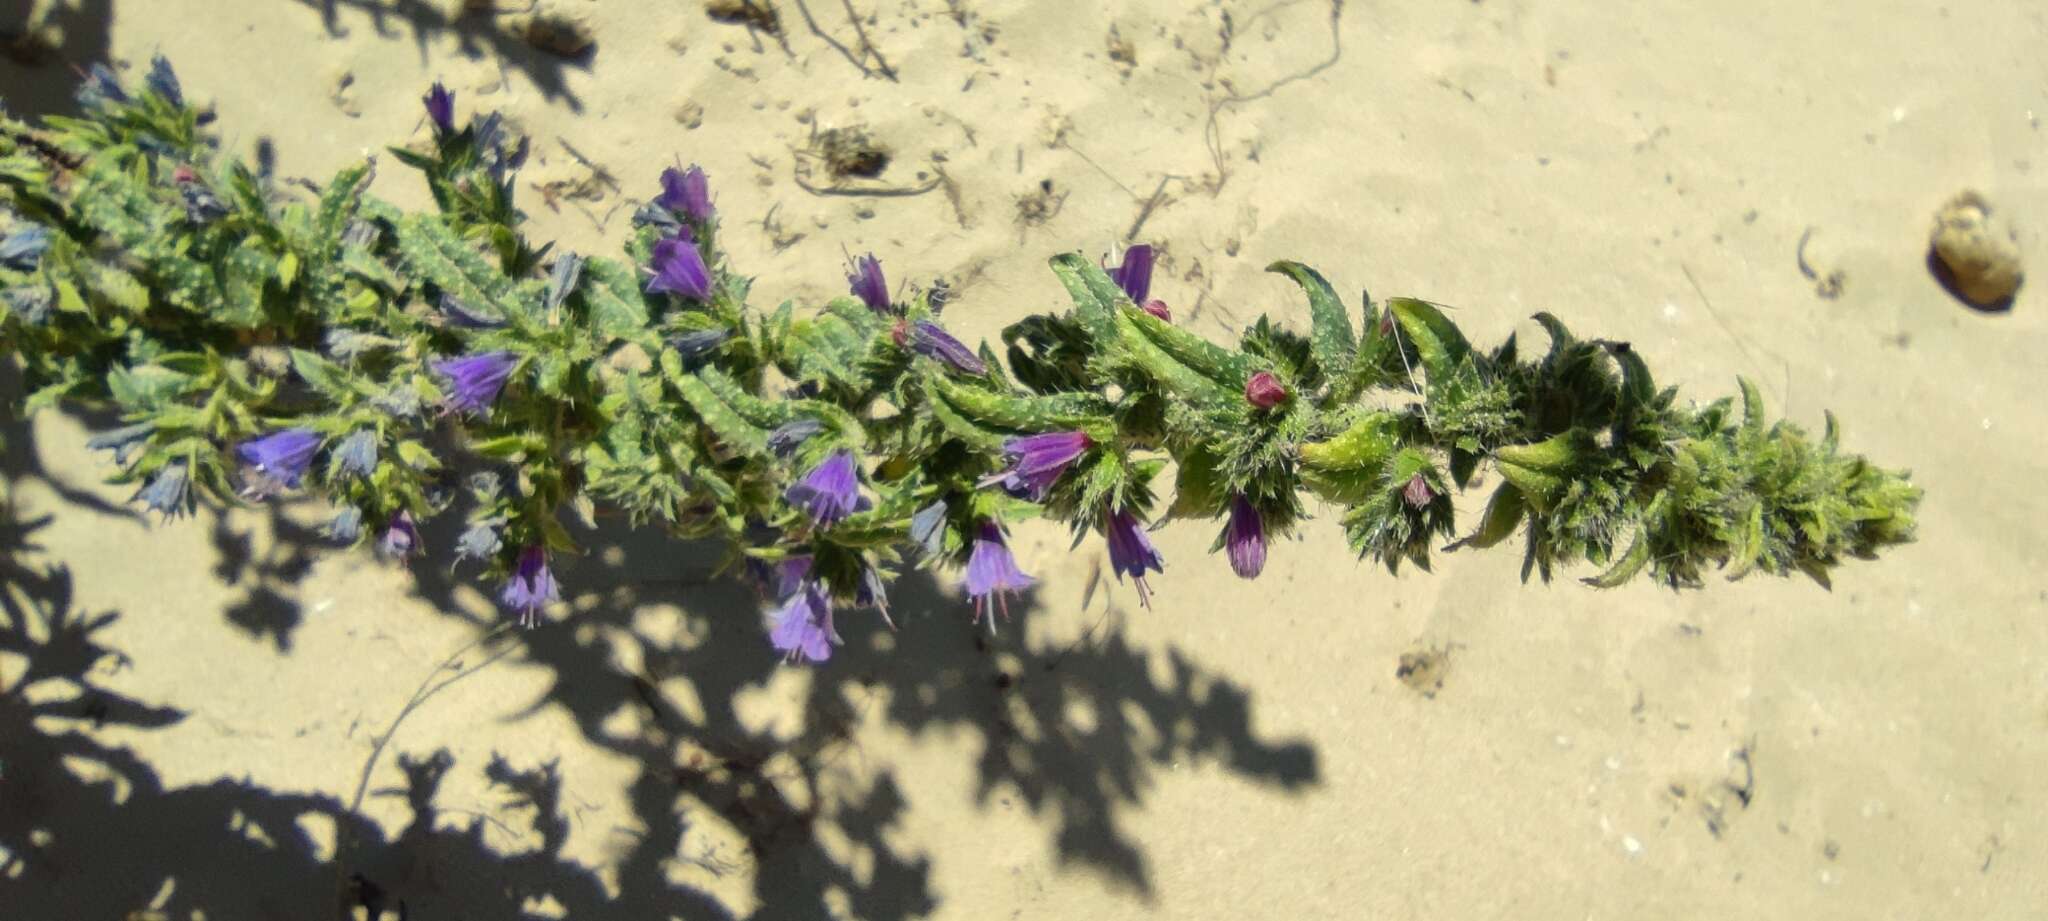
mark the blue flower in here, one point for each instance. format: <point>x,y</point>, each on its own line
<point>357,454</point>
<point>791,435</point>
<point>562,281</point>
<point>100,87</point>
<point>24,246</point>
<point>169,493</point>
<point>831,491</point>
<point>1135,274</point>
<point>122,440</point>
<point>680,269</point>
<point>932,341</point>
<point>531,587</point>
<point>686,192</point>
<point>164,82</point>
<point>1244,538</point>
<point>347,525</point>
<point>479,542</point>
<point>1131,552</point>
<point>1037,461</point>
<point>476,379</point>
<point>696,347</point>
<point>278,461</point>
<point>992,572</point>
<point>868,285</point>
<point>803,627</point>
<point>440,105</point>
<point>928,527</point>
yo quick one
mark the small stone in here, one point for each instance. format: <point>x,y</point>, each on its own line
<point>1977,256</point>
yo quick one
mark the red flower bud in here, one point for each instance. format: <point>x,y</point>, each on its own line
<point>1264,390</point>
<point>1417,492</point>
<point>1158,308</point>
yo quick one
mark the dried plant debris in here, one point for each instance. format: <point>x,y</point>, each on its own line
<point>1423,670</point>
<point>1040,205</point>
<point>851,152</point>
<point>754,14</point>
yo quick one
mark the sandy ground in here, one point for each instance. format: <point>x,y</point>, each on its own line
<point>1245,749</point>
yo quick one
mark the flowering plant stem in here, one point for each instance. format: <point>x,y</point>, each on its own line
<point>260,339</point>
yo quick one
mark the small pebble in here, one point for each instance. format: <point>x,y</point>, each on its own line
<point>1978,252</point>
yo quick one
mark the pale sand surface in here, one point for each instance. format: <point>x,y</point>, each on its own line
<point>1244,749</point>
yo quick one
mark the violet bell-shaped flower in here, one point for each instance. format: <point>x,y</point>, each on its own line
<point>474,381</point>
<point>686,192</point>
<point>992,573</point>
<point>680,269</point>
<point>868,285</point>
<point>531,586</point>
<point>169,493</point>
<point>831,491</point>
<point>278,461</point>
<point>1131,552</point>
<point>401,537</point>
<point>932,341</point>
<point>803,627</point>
<point>440,105</point>
<point>1037,461</point>
<point>1244,538</point>
<point>1135,274</point>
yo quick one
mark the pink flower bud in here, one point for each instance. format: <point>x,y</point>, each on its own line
<point>1417,492</point>
<point>1264,390</point>
<point>1158,308</point>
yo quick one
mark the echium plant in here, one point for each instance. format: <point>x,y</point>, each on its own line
<point>259,341</point>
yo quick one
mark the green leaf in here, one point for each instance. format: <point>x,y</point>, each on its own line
<point>1437,341</point>
<point>1330,336</point>
<point>1229,368</point>
<point>718,416</point>
<point>1095,296</point>
<point>120,289</point>
<point>611,293</point>
<point>1625,568</point>
<point>339,201</point>
<point>322,375</point>
<point>1502,516</point>
<point>435,253</point>
<point>1176,378</point>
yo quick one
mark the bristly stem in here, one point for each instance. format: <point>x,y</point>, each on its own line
<point>246,332</point>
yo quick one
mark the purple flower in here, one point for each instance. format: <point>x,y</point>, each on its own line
<point>695,347</point>
<point>122,440</point>
<point>932,341</point>
<point>1417,493</point>
<point>476,379</point>
<point>803,627</point>
<point>401,537</point>
<point>680,269</point>
<point>278,461</point>
<point>1037,462</point>
<point>1244,538</point>
<point>440,108</point>
<point>992,572</point>
<point>531,587</point>
<point>1131,552</point>
<point>868,285</point>
<point>831,491</point>
<point>1135,275</point>
<point>686,192</point>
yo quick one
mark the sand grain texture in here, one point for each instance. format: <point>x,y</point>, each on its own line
<point>1764,749</point>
